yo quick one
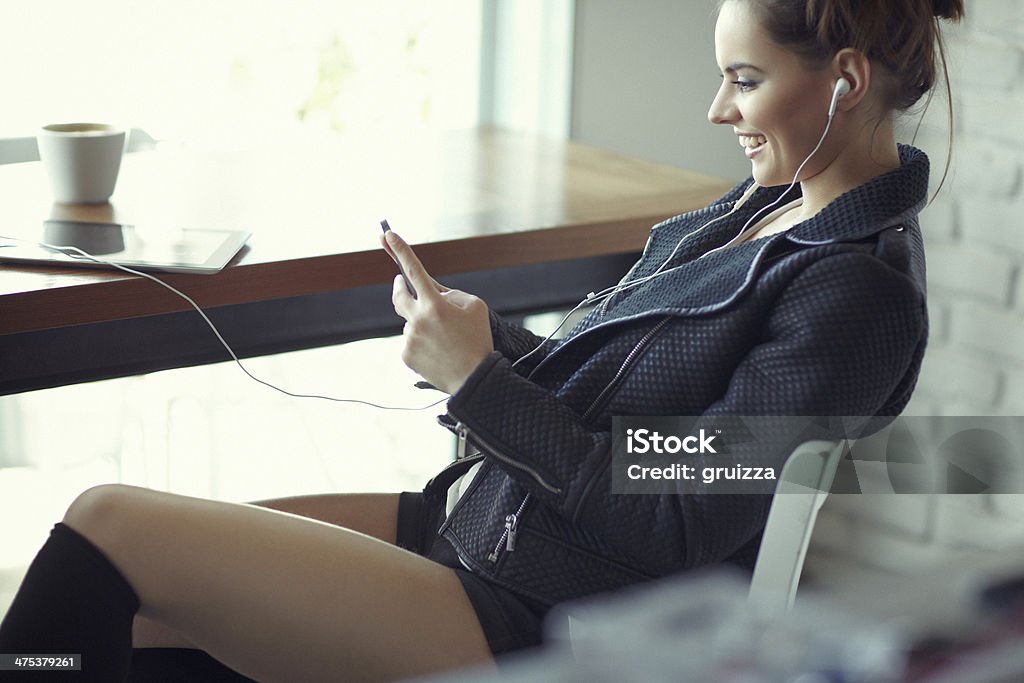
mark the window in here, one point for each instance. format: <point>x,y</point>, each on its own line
<point>235,71</point>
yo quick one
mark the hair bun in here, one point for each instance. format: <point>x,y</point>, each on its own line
<point>948,9</point>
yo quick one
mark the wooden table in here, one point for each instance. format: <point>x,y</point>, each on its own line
<point>528,223</point>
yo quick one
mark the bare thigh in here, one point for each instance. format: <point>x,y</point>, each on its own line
<point>279,597</point>
<point>373,514</point>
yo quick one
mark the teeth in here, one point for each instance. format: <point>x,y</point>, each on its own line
<point>752,141</point>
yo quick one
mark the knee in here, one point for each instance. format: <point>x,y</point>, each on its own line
<point>102,511</point>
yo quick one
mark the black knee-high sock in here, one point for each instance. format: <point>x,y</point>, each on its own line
<point>173,665</point>
<point>73,601</point>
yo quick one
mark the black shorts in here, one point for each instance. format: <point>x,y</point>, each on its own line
<point>510,622</point>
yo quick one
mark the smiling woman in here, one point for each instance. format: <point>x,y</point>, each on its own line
<point>826,318</point>
<point>778,78</point>
<point>797,41</point>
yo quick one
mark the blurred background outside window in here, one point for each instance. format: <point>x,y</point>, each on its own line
<point>235,74</point>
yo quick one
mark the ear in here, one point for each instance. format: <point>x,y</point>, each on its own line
<point>855,67</point>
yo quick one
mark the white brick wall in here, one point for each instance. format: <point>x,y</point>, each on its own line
<point>974,236</point>
<point>974,232</point>
<point>994,221</point>
<point>971,272</point>
<point>993,335</point>
<point>858,536</point>
<point>862,536</point>
<point>945,369</point>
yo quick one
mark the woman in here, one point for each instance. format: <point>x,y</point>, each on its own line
<point>775,300</point>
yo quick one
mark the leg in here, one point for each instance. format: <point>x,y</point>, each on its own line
<point>278,597</point>
<point>73,600</point>
<point>373,514</point>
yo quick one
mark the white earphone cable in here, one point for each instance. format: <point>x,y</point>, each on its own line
<point>592,297</point>
<point>625,286</point>
<point>76,253</point>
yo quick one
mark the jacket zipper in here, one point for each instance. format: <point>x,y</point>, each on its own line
<point>611,386</point>
<point>508,536</point>
<point>511,531</point>
<point>464,434</point>
<point>624,368</point>
<point>460,449</point>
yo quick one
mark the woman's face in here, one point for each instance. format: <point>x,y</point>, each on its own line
<point>776,106</point>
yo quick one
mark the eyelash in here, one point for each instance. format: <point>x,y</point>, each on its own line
<point>744,85</point>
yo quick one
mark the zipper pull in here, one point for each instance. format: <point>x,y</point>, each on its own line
<point>462,431</point>
<point>511,526</point>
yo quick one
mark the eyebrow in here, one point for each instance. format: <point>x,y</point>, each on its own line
<point>736,66</point>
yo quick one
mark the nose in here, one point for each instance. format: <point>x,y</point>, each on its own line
<point>723,110</point>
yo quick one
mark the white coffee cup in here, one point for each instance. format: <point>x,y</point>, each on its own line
<point>82,160</point>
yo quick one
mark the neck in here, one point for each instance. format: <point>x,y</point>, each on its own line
<point>862,157</point>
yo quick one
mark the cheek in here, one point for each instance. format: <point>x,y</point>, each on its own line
<point>781,107</point>
<point>791,128</point>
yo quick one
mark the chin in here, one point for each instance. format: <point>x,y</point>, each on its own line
<point>769,179</point>
<point>766,176</point>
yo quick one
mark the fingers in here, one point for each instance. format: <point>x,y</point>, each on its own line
<point>410,265</point>
<point>386,246</point>
<point>400,297</point>
<point>387,249</point>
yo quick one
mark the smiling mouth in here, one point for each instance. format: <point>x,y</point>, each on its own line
<point>752,141</point>
<point>752,144</point>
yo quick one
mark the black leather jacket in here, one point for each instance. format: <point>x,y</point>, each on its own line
<point>828,318</point>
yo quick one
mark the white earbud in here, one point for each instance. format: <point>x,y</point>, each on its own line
<point>842,87</point>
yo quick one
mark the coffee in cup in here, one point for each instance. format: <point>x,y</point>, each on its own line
<point>82,160</point>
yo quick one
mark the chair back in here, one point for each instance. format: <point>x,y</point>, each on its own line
<point>803,486</point>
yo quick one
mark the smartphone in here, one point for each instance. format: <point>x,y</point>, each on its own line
<point>408,286</point>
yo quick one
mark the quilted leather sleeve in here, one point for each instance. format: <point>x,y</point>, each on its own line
<point>514,342</point>
<point>842,340</point>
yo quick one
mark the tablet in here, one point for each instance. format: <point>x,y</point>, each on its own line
<point>156,249</point>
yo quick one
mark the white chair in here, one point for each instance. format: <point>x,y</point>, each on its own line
<point>19,149</point>
<point>803,486</point>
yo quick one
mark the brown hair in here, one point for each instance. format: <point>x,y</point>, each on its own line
<point>904,37</point>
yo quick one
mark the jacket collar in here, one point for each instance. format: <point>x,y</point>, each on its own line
<point>882,202</point>
<point>889,200</point>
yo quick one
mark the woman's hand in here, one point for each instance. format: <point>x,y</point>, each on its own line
<point>447,332</point>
